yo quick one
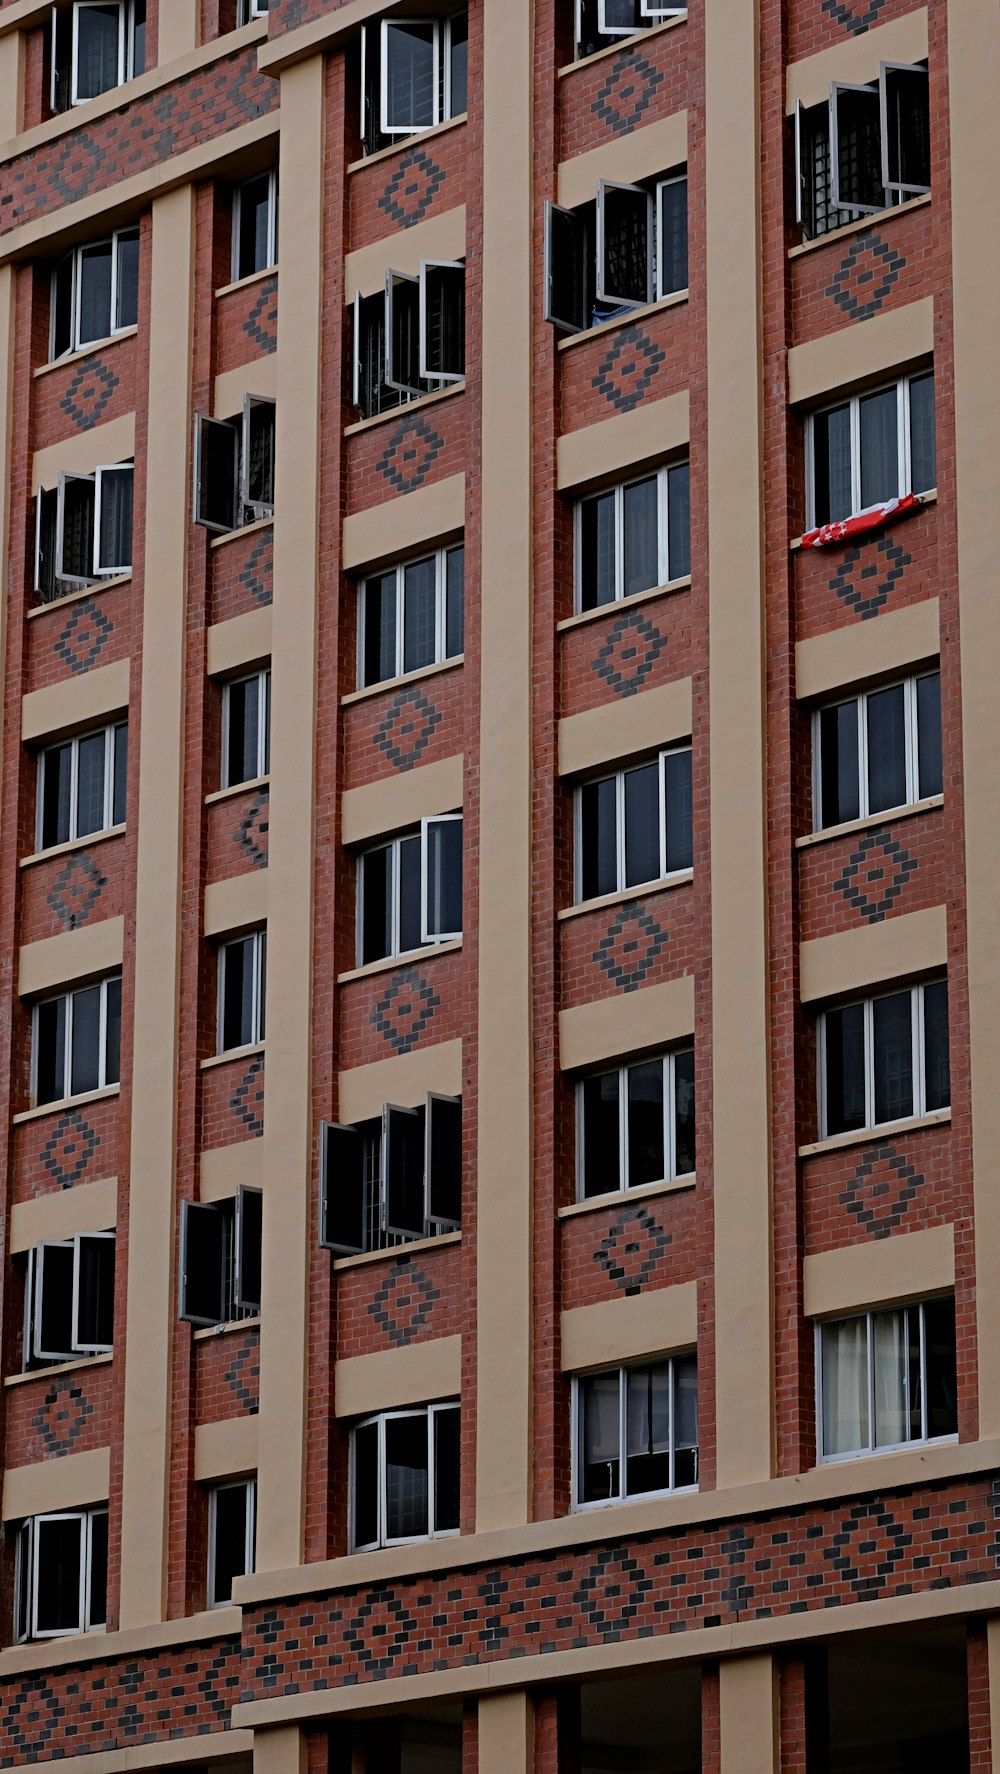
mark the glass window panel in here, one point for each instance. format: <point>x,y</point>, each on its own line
<point>646,1158</point>
<point>376,904</point>
<point>684,1147</point>
<point>238,960</point>
<point>260,453</point>
<point>50,1050</point>
<point>95,292</point>
<point>139,37</point>
<point>230,1560</point>
<point>252,252</point>
<point>879,447</point>
<point>410,921</point>
<point>673,237</point>
<point>379,641</point>
<point>647,1429</point>
<point>859,143</point>
<point>445,1427</point>
<point>641,510</point>
<point>57,767</point>
<point>96,49</point>
<point>832,465</point>
<point>937,1068</point>
<point>114,542</point>
<point>244,716</point>
<point>929,764</point>
<point>622,15</point>
<point>598,577</point>
<point>677,793</point>
<point>95,1313</point>
<point>844,1364</point>
<point>600,1134</point>
<point>85,1041</point>
<point>444,878</point>
<point>406,1477</point>
<point>941,1378</point>
<point>923,469</point>
<point>889,1355</point>
<point>113,1035</point>
<point>839,765</point>
<point>893,1042</point>
<point>90,784</point>
<point>97,1598</point>
<point>128,280</point>
<point>410,75</point>
<point>679,521</point>
<point>914,1370</point>
<point>459,66</point>
<point>59,1557</point>
<point>685,1402</point>
<point>885,714</point>
<point>54,1309</point>
<point>454,602</point>
<point>642,824</point>
<point>598,838</point>
<point>62,306</point>
<point>121,773</point>
<point>366,1484</point>
<point>78,528</point>
<point>599,1404</point>
<point>845,1069</point>
<point>419,614</point>
<point>625,271</point>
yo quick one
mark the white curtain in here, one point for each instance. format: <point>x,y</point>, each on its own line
<point>889,1345</point>
<point>845,1386</point>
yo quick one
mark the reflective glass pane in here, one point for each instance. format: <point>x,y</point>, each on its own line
<point>929,766</point>
<point>642,824</point>
<point>376,904</point>
<point>832,465</point>
<point>444,878</point>
<point>459,64</point>
<point>845,1069</point>
<point>673,237</point>
<point>647,1429</point>
<point>410,75</point>
<point>50,1051</point>
<point>121,773</point>
<point>97,38</point>
<point>879,447</point>
<point>238,960</point>
<point>91,755</point>
<point>599,1132</point>
<point>839,765</point>
<point>598,838</point>
<point>646,1157</point>
<point>85,1041</point>
<point>410,921</point>
<point>598,579</point>
<point>893,1042</point>
<point>885,713</point>
<point>941,1382</point>
<point>641,503</point>
<point>97,1597</point>
<point>406,1477</point>
<point>113,1031</point>
<point>599,1403</point>
<point>419,614</point>
<point>242,730</point>
<point>252,243</point>
<point>844,1364</point>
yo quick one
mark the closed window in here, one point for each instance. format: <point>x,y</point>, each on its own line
<point>246,728</point>
<point>232,1512</point>
<point>877,751</point>
<point>886,1379</point>
<point>633,536</point>
<point>863,149</point>
<point>234,467</point>
<point>405,1473</point>
<point>76,1044</point>
<point>95,292</point>
<point>414,74</point>
<point>635,826</point>
<point>412,615</point>
<point>410,890</point>
<point>636,1430</point>
<point>83,529</point>
<point>627,248</point>
<point>871,448</point>
<point>255,225</point>
<point>96,45</point>
<point>61,1574</point>
<point>81,786</point>
<point>601,23</point>
<point>385,1182</point>
<point>69,1307</point>
<point>220,1267</point>
<point>409,339</point>
<point>249,10</point>
<point>884,1059</point>
<point>242,991</point>
<point>635,1124</point>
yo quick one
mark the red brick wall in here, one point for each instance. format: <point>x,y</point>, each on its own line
<point>398,730</point>
<point>882,267</point>
<point>232,1102</point>
<point>603,99</point>
<point>839,587</point>
<point>226,1375</point>
<point>415,1004</point>
<point>630,648</point>
<point>79,887</point>
<point>241,573</point>
<point>642,942</point>
<point>237,836</point>
<point>58,1414</point>
<point>67,1146</point>
<point>618,370</point>
<point>90,391</point>
<point>887,871</point>
<point>614,1252</point>
<point>407,450</point>
<point>421,179</point>
<point>401,1300</point>
<point>246,322</point>
<point>71,638</point>
<point>812,26</point>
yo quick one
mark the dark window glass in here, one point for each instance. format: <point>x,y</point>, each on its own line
<point>374,393</point>
<point>878,418</point>
<point>454,602</point>
<point>366,1484</point>
<point>600,1437</point>
<point>410,921</point>
<point>78,529</point>
<point>845,1069</point>
<point>673,242</point>
<point>57,767</point>
<point>570,249</point>
<point>444,320</point>
<point>406,1477</point>
<point>409,75</point>
<point>892,1033</point>
<point>91,755</point>
<point>600,1134</point>
<point>923,470</point>
<point>237,993</point>
<point>230,1546</point>
<point>646,1157</point>
<point>62,307</point>
<point>685,1420</point>
<point>59,1559</point>
<point>252,241</point>
<point>95,1312</point>
<point>121,773</point>
<point>380,628</point>
<point>218,460</point>
<point>376,904</point>
<point>242,739</point>
<point>54,1309</point>
<point>909,135</point>
<point>404,341</point>
<point>818,215</point>
<point>940,1370</point>
<point>622,15</point>
<point>444,878</point>
<point>860,149</point>
<point>95,292</point>
<point>684,1111</point>
<point>97,1599</point>
<point>139,38</point>
<point>937,1064</point>
<point>840,781</point>
<point>50,1054</point>
<point>625,271</point>
<point>598,579</point>
<point>128,280</point>
<point>97,29</point>
<point>832,465</point>
<point>640,526</point>
<point>677,791</point>
<point>447,1470</point>
<point>929,770</point>
<point>459,71</point>
<point>259,444</point>
<point>113,1037</point>
<point>886,718</point>
<point>419,613</point>
<point>679,520</point>
<point>114,541</point>
<point>647,1429</point>
<point>598,838</point>
<point>85,1041</point>
<point>642,824</point>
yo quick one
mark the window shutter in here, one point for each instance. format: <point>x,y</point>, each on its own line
<point>216,473</point>
<point>442,321</point>
<point>403,1171</point>
<point>247,1249</point>
<point>443,1159</point>
<point>113,519</point>
<point>905,127</point>
<point>52,1338</point>
<point>855,150</point>
<point>565,269</point>
<point>342,1189</point>
<point>202,1292</point>
<point>402,333</point>
<point>75,529</point>
<point>94,1293</point>
<point>623,238</point>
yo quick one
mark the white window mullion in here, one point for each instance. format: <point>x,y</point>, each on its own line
<point>810,471</point>
<point>925,1427</point>
<point>86,1553</point>
<point>620,826</point>
<point>382,1534</point>
<point>68,1047</point>
<point>855,453</point>
<point>622,1432</point>
<point>109,776</point>
<point>869,1033</point>
<point>671,1403</point>
<point>395,894</point>
<point>623,1166</point>
<point>918,1100</point>
<point>870,1341</point>
<point>910,739</point>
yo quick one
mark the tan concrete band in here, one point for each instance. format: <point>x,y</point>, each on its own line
<point>377,808</point>
<point>259,377</point>
<point>288,1139</point>
<point>653,430</point>
<point>73,955</point>
<point>178,1753</point>
<point>227,1168</point>
<point>624,729</point>
<point>7,329</point>
<point>156,1011</point>
<point>321,34</point>
<point>405,1079</point>
<point>87,1207</point>
<point>845,657</point>
<point>67,1483</point>
<point>97,1646</point>
<point>225,1450</point>
<point>974,81</point>
<point>653,1323</point>
<point>102,445</point>
<point>236,904</point>
<point>506,1734</point>
<point>280,1752</point>
<point>855,354</point>
<point>907,1266</point>
<point>856,59</point>
<point>873,954</point>
<point>641,154</point>
<point>610,1028</point>
<point>441,236</point>
<point>389,1378</point>
<point>179,30</point>
<point>394,529</point>
<point>12,84</point>
<point>238,644</point>
<point>749,1735</point>
<point>73,702</point>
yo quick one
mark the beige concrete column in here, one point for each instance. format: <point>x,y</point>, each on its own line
<point>740,1058</point>
<point>11,84</point>
<point>503,1445</point>
<point>993,1659</point>
<point>507,1734</point>
<point>974,80</point>
<point>151,1305</point>
<point>287,1164</point>
<point>748,1716</point>
<point>179,29</point>
<point>280,1751</point>
<point>7,306</point>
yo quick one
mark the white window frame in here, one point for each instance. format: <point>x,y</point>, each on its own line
<point>850,209</point>
<point>853,401</point>
<point>576,1423</point>
<point>912,747</point>
<point>442,378</point>
<point>668,1061</point>
<point>76,295</point>
<point>924,1440</point>
<point>440,558</point>
<point>125,27</point>
<point>919,1066</point>
<point>110,468</point>
<point>393,846</point>
<point>272,223</point>
<point>258,988</point>
<point>110,732</point>
<point>252,10</point>
<point>428,937</point>
<point>250,1547</point>
<point>27,1547</point>
<point>662,540</point>
<point>263,679</point>
<point>601,297</point>
<point>439,46</point>
<point>34,1294</point>
<point>428,1412</point>
<point>901,193</point>
<point>618,776</point>
<point>69,995</point>
<point>678,178</point>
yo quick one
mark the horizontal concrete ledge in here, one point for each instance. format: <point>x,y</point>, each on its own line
<point>167,1752</point>
<point>856,354</point>
<point>856,59</point>
<point>909,1266</point>
<point>105,1647</point>
<point>873,955</point>
<point>836,661</point>
<point>74,955</point>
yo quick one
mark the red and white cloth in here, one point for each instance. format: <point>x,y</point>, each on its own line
<point>862,523</point>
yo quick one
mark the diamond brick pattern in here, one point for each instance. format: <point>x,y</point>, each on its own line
<point>867,576</point>
<point>69,1149</point>
<point>632,1249</point>
<point>257,573</point>
<point>83,638</point>
<point>261,324</point>
<point>865,276</point>
<point>247,1102</point>
<point>403,1302</point>
<point>61,1416</point>
<point>381,1632</point>
<point>407,728</point>
<point>252,832</point>
<point>405,1010</point>
<point>628,369</point>
<point>626,92</point>
<point>242,1376</point>
<point>415,182</point>
<point>76,890</point>
<point>857,17</point>
<point>89,392</point>
<point>881,1189</point>
<point>629,653</point>
<point>410,454</point>
<point>874,875</point>
<point>630,946</point>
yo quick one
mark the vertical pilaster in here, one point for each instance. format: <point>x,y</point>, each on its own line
<point>151,1306</point>
<point>287,1164</point>
<point>738,818</point>
<point>179,29</point>
<point>749,1739</point>
<point>507,1734</point>
<point>282,1750</point>
<point>11,84</point>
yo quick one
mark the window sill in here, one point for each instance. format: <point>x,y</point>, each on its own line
<point>409,406</point>
<point>60,363</point>
<point>58,1367</point>
<point>641,312</point>
<point>406,677</point>
<point>66,1102</point>
<point>902,1447</point>
<point>222,1330</point>
<point>422,135</point>
<point>620,1197</point>
<point>880,218</point>
<point>263,523</point>
<point>255,784</point>
<point>624,603</point>
<point>245,283</point>
<point>929,498</point>
<point>231,1053</point>
<point>632,42</point>
<point>891,816</point>
<point>74,597</point>
<point>663,885</point>
<point>37,856</point>
<point>681,1490</point>
<point>392,963</point>
<point>885,1130</point>
<point>399,1250</point>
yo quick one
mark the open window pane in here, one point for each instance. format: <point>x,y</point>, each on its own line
<point>238,980</point>
<point>46,530</point>
<point>442,325</point>
<point>402,333</point>
<point>672,238</point>
<point>127,288</point>
<point>94,293</point>
<point>76,529</point>
<point>247,1249</point>
<point>258,455</point>
<point>878,418</point>
<point>839,772</point>
<point>599,1133</point>
<point>443,892</point>
<point>63,279</point>
<point>342,1189</point>
<point>403,1171</point>
<point>642,825</point>
<point>647,1429</point>
<point>600,1438</point>
<point>443,1160</point>
<point>98,31</point>
<point>253,231</point>
<point>230,1533</point>
<point>857,154</point>
<point>53,1302</point>
<point>59,1565</point>
<point>622,244</point>
<point>446,1430</point>
<point>56,804</point>
<point>566,286</point>
<point>202,1298</point>
<point>923,469</point>
<point>598,838</point>
<point>406,1477</point>
<point>95,1293</point>
<point>409,75</point>
<point>892,1033</point>
<point>217,452</point>
<point>114,522</point>
<point>684,1143</point>
<point>940,1367</point>
<point>844,1042</point>
<point>906,133</point>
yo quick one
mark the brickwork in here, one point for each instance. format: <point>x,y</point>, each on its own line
<point>861,275</point>
<point>58,1414</point>
<point>416,182</point>
<point>414,1004</point>
<point>67,1146</point>
<point>232,1102</point>
<point>879,1187</point>
<point>91,390</point>
<point>621,948</point>
<point>631,647</point>
<point>241,573</point>
<point>75,888</point>
<point>604,99</point>
<point>815,25</point>
<point>624,367</point>
<point>406,450</point>
<point>401,729</point>
<point>237,838</point>
<point>617,1252</point>
<point>75,635</point>
<point>869,876</point>
<point>401,1300</point>
<point>226,1375</point>
<point>246,320</point>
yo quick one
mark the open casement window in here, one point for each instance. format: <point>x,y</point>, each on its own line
<point>414,74</point>
<point>83,529</point>
<point>905,125</point>
<point>95,46</point>
<point>626,249</point>
<point>865,149</point>
<point>232,1525</point>
<point>404,1481</point>
<point>257,459</point>
<point>855,149</point>
<point>442,321</point>
<point>220,1278</point>
<point>255,225</point>
<point>61,1574</point>
<point>443,1161</point>
<point>402,333</point>
<point>393,1180</point>
<point>95,292</point>
<point>242,991</point>
<point>234,467</point>
<point>624,241</point>
<point>410,890</point>
<point>568,257</point>
<point>441,877</point>
<point>403,1171</point>
<point>69,1304</point>
<point>371,392</point>
<point>249,10</point>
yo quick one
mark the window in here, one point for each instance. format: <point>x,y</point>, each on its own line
<point>652,1413</point>
<point>76,1043</point>
<point>410,890</point>
<point>635,826</point>
<point>255,225</point>
<point>61,1574</point>
<point>627,248</point>
<point>632,537</point>
<point>876,751</point>
<point>81,786</point>
<point>232,1511</point>
<point>246,728</point>
<point>95,292</point>
<point>385,1182</point>
<point>635,1124</point>
<point>870,448</point>
<point>96,45</point>
<point>234,467</point>
<point>886,1379</point>
<point>69,1302</point>
<point>601,23</point>
<point>412,615</point>
<point>884,1059</point>
<point>83,529</point>
<point>220,1278</point>
<point>864,149</point>
<point>411,339</point>
<point>242,991</point>
<point>414,74</point>
<point>405,1476</point>
<point>252,9</point>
